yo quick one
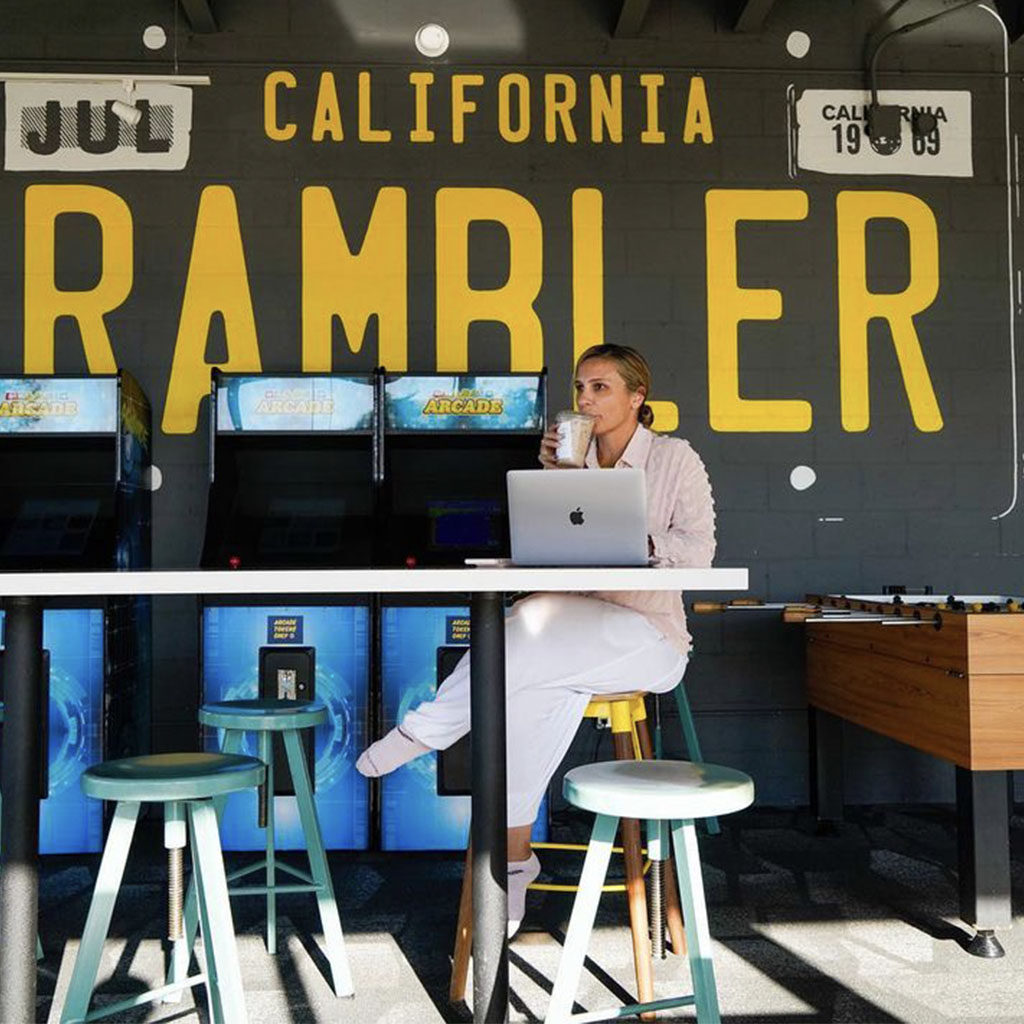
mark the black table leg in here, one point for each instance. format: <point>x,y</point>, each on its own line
<point>490,817</point>
<point>19,848</point>
<point>983,847</point>
<point>825,745</point>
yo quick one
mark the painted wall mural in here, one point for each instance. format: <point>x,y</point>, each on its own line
<point>831,321</point>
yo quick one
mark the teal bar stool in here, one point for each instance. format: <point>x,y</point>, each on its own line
<point>669,795</point>
<point>287,717</point>
<point>693,751</point>
<point>39,945</point>
<point>184,784</point>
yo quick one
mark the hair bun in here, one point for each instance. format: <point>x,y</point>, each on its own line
<point>645,415</point>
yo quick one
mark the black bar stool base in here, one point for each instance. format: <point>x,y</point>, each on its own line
<point>985,944</point>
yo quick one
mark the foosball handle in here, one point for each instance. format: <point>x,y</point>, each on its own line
<point>708,607</point>
<point>799,612</point>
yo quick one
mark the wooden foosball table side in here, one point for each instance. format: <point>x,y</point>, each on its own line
<point>952,685</point>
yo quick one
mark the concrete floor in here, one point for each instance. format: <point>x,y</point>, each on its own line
<point>859,926</point>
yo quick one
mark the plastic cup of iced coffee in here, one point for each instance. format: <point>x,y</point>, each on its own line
<point>574,431</point>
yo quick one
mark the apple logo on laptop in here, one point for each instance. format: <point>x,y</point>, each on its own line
<point>576,516</point>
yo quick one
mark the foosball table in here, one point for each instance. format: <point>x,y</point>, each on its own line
<point>945,676</point>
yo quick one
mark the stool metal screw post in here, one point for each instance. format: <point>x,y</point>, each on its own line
<point>265,717</point>
<point>184,784</point>
<point>661,792</point>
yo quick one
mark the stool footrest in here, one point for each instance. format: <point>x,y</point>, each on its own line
<point>145,997</point>
<point>261,865</point>
<point>580,848</point>
<point>263,890</point>
<point>633,1010</point>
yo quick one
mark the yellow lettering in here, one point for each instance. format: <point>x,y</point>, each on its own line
<point>367,133</point>
<point>522,86</point>
<point>698,113</point>
<point>729,304</point>
<point>559,99</point>
<point>858,306</point>
<point>652,133</point>
<point>605,108</point>
<point>45,302</point>
<point>587,270</point>
<point>421,82</point>
<point>217,282</point>
<point>327,117</point>
<point>353,285</point>
<point>458,305</point>
<point>462,106</point>
<point>276,132</point>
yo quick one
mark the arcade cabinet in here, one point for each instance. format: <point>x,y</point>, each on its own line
<point>75,459</point>
<point>292,487</point>
<point>447,443</point>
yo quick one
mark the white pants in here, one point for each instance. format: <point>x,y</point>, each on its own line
<point>560,650</point>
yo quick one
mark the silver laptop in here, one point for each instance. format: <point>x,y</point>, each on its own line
<point>577,516</point>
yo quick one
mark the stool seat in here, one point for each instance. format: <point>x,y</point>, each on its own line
<point>263,715</point>
<point>161,777</point>
<point>663,790</point>
<point>608,698</point>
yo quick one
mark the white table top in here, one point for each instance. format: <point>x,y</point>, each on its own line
<point>363,581</point>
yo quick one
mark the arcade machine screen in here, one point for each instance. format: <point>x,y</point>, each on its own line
<point>448,505</point>
<point>288,502</point>
<point>56,504</point>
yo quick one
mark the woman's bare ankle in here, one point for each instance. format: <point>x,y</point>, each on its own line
<point>519,848</point>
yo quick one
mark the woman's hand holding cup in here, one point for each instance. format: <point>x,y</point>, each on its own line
<point>549,448</point>
<point>564,445</point>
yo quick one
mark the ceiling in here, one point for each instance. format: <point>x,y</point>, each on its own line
<point>747,16</point>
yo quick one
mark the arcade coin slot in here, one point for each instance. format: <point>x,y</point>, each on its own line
<point>288,673</point>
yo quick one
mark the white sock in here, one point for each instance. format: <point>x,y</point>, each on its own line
<point>520,874</point>
<point>389,752</point>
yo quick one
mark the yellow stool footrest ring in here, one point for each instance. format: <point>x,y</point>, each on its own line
<point>562,887</point>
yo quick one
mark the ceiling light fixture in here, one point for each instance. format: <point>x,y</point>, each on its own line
<point>432,39</point>
<point>125,109</point>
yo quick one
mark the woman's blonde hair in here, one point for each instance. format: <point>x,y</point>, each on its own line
<point>632,368</point>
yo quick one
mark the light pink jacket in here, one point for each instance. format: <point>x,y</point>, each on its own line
<point>680,522</point>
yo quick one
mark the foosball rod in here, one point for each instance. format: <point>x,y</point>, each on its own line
<point>798,613</point>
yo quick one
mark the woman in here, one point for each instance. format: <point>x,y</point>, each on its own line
<point>561,649</point>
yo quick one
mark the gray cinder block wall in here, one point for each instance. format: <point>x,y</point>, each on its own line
<point>891,504</point>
